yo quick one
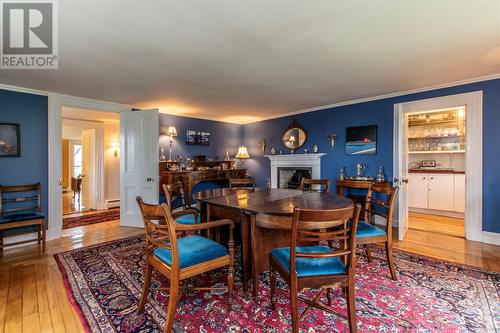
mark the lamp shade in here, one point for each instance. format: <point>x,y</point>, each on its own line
<point>171,131</point>
<point>242,153</point>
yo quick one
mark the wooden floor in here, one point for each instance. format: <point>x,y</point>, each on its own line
<point>71,206</point>
<point>436,223</point>
<point>33,297</point>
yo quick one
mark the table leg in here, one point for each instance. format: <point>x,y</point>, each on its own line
<point>255,257</point>
<point>246,254</point>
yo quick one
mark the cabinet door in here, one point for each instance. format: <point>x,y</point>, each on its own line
<point>460,193</point>
<point>441,191</point>
<point>418,190</point>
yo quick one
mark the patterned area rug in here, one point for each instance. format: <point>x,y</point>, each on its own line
<point>104,283</point>
<point>91,218</point>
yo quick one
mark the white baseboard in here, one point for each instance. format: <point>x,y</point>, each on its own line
<point>490,238</point>
<point>112,203</point>
<point>51,234</point>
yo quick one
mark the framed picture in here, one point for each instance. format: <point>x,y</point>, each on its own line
<point>361,140</point>
<point>10,140</point>
<point>191,137</point>
<point>197,138</point>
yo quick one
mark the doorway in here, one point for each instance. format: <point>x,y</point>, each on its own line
<point>436,170</point>
<point>90,166</point>
<point>438,165</point>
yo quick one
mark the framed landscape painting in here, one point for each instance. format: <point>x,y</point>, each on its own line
<point>361,140</point>
<point>10,143</point>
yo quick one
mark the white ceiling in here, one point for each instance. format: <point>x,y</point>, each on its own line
<point>241,61</point>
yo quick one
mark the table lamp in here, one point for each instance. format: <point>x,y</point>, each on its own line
<point>171,131</point>
<point>242,154</point>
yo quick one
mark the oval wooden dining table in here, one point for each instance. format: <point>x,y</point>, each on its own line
<point>265,218</point>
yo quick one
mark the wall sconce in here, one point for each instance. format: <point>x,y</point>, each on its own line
<point>262,145</point>
<point>333,139</point>
<point>171,131</point>
<point>115,146</point>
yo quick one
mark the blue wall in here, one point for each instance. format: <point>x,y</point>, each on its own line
<point>319,124</point>
<point>223,137</point>
<point>30,111</point>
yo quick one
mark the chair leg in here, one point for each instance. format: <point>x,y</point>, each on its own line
<point>351,306</point>
<point>172,305</point>
<point>368,251</point>
<point>294,306</point>
<point>145,289</point>
<point>329,296</point>
<point>272,282</point>
<point>390,260</point>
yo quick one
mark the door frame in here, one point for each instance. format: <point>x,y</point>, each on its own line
<point>473,101</point>
<point>55,104</point>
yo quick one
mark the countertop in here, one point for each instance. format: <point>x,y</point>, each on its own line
<point>449,171</point>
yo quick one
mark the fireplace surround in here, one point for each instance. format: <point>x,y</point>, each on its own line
<point>310,162</point>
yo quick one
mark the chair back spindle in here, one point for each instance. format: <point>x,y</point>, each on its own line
<point>315,184</point>
<point>305,229</point>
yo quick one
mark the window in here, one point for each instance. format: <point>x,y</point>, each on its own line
<point>77,160</point>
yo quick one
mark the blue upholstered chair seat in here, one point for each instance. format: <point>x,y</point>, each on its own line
<point>192,250</point>
<point>367,230</point>
<point>20,217</point>
<point>310,266</point>
<point>188,219</point>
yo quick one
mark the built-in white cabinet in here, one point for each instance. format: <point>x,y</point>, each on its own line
<point>438,191</point>
<point>418,187</point>
<point>441,191</point>
<point>459,193</point>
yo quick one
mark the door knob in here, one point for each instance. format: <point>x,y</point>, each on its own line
<point>149,179</point>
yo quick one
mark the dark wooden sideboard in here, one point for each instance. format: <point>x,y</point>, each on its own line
<point>189,179</point>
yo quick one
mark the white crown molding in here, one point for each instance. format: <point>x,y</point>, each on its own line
<point>292,113</point>
<point>379,97</point>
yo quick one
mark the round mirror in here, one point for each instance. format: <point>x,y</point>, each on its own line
<point>294,136</point>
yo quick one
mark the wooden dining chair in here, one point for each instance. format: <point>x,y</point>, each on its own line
<point>181,258</point>
<point>313,184</point>
<point>243,183</point>
<point>318,266</point>
<point>187,214</point>
<point>380,201</point>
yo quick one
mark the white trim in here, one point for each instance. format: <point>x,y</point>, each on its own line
<point>55,104</point>
<point>312,161</point>
<point>378,97</point>
<point>491,237</point>
<point>473,101</point>
<point>311,109</point>
<point>50,235</point>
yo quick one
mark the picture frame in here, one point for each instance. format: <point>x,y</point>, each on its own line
<point>197,138</point>
<point>361,140</point>
<point>10,140</point>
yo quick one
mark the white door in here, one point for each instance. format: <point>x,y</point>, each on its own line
<point>441,191</point>
<point>139,135</point>
<point>402,173</point>
<point>418,188</point>
<point>88,169</point>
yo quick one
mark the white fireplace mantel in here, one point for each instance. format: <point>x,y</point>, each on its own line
<point>312,161</point>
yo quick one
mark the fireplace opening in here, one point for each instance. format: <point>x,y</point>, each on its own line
<point>291,177</point>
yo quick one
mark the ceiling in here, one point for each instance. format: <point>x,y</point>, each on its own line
<point>241,61</point>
